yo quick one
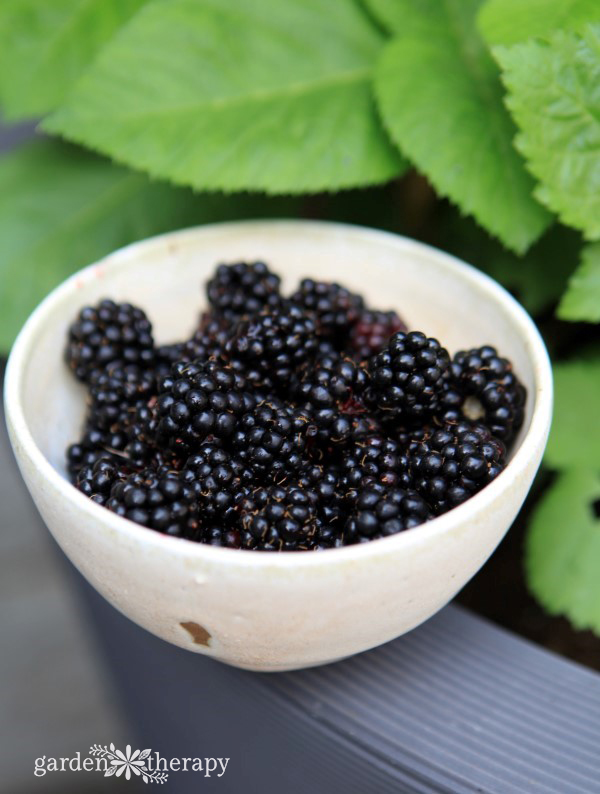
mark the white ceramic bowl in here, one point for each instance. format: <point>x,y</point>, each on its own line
<point>289,610</point>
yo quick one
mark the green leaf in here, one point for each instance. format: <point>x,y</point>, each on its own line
<point>554,98</point>
<point>234,94</point>
<point>45,46</point>
<point>510,21</point>
<point>575,435</point>
<point>61,208</point>
<point>537,279</point>
<point>581,301</point>
<point>562,557</point>
<point>441,100</point>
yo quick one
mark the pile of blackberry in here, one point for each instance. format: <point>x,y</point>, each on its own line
<point>284,423</point>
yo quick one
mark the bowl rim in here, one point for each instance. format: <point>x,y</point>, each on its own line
<point>535,436</point>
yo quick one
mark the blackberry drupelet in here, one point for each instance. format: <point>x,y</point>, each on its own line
<point>158,499</point>
<point>331,390</point>
<point>281,518</point>
<point>380,511</point>
<point>482,374</point>
<point>272,438</point>
<point>372,331</point>
<point>243,289</point>
<point>335,308</point>
<point>109,333</point>
<point>199,401</point>
<point>406,377</point>
<point>450,464</point>
<point>274,344</point>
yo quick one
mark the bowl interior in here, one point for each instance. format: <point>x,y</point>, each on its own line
<point>165,276</point>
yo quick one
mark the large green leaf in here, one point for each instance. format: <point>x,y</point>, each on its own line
<point>440,97</point>
<point>563,549</point>
<point>44,47</point>
<point>61,208</point>
<point>537,279</point>
<point>510,21</point>
<point>581,301</point>
<point>575,435</point>
<point>554,98</point>
<point>234,94</point>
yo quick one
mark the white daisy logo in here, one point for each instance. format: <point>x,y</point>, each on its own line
<point>127,763</point>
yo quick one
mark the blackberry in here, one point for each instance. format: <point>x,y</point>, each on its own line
<point>109,333</point>
<point>324,483</point>
<point>115,393</point>
<point>374,460</point>
<point>93,446</point>
<point>281,518</point>
<point>380,512</point>
<point>159,500</point>
<point>450,464</point>
<point>243,289</point>
<point>207,341</point>
<point>198,401</point>
<point>332,391</point>
<point>371,332</point>
<point>499,396</point>
<point>96,481</point>
<point>218,481</point>
<point>274,344</point>
<point>335,308</point>
<point>406,377</point>
<point>272,438</point>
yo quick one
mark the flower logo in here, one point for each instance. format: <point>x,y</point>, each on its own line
<point>127,763</point>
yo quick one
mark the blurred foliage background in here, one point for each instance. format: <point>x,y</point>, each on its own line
<point>474,126</point>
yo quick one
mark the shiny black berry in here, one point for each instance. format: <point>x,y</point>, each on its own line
<point>109,333</point>
<point>450,464</point>
<point>380,512</point>
<point>482,385</point>
<point>199,401</point>
<point>406,377</point>
<point>242,289</point>
<point>335,308</point>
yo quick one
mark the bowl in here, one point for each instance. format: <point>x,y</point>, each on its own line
<point>286,610</point>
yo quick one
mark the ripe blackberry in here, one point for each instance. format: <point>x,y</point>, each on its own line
<point>406,377</point>
<point>374,460</point>
<point>96,481</point>
<point>274,344</point>
<point>332,391</point>
<point>219,483</point>
<point>109,333</point>
<point>281,518</point>
<point>94,445</point>
<point>243,289</point>
<point>450,464</point>
<point>199,401</point>
<point>335,308</point>
<point>482,374</point>
<point>115,393</point>
<point>272,438</point>
<point>159,500</point>
<point>208,340</point>
<point>372,331</point>
<point>381,511</point>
